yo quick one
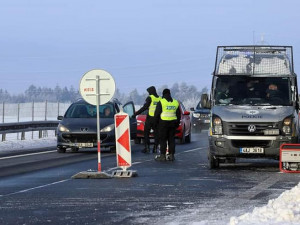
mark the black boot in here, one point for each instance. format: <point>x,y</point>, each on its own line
<point>171,157</point>
<point>146,149</point>
<point>154,150</point>
<point>161,157</point>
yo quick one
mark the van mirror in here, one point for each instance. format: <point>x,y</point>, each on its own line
<point>205,103</point>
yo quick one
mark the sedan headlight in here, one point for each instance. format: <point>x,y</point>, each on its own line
<point>196,115</point>
<point>108,128</point>
<point>217,127</point>
<point>62,128</point>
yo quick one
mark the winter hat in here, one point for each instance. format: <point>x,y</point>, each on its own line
<point>166,91</point>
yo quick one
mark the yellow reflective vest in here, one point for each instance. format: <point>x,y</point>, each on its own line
<point>152,107</point>
<point>169,109</point>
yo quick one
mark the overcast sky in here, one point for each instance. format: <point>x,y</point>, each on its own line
<point>140,42</point>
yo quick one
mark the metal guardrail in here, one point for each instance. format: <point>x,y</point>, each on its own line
<point>22,127</point>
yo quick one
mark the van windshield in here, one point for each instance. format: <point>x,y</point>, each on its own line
<point>241,90</point>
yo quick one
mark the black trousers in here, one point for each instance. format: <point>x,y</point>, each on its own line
<point>167,131</point>
<point>149,124</point>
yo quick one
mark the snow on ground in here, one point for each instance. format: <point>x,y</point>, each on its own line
<point>30,142</point>
<point>285,210</point>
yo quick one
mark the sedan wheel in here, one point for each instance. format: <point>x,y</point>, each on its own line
<point>61,150</point>
<point>182,139</point>
<point>74,149</point>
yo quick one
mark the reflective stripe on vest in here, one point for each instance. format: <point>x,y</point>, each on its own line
<point>169,109</point>
<point>152,107</point>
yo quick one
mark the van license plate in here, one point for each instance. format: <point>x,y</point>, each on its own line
<point>85,145</point>
<point>254,150</point>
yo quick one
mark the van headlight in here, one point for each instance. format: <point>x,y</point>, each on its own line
<point>287,125</point>
<point>108,128</point>
<point>62,128</point>
<point>217,127</point>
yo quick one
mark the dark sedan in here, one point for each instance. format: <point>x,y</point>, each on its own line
<point>78,127</point>
<point>200,118</point>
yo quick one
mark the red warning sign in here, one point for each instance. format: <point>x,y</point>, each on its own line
<point>123,146</point>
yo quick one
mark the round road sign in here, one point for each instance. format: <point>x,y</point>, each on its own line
<point>88,86</point>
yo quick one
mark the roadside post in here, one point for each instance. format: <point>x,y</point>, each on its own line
<point>123,146</point>
<point>289,161</point>
<point>97,87</point>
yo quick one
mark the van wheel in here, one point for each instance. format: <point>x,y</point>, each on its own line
<point>213,162</point>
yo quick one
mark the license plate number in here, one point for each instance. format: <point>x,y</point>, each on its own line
<point>206,121</point>
<point>254,150</point>
<point>85,145</point>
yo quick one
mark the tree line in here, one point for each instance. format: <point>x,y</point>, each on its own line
<point>182,92</point>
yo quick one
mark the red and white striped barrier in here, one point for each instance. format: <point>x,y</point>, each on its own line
<point>123,145</point>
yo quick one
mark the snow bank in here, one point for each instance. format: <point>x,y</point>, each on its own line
<point>285,210</point>
<point>14,145</point>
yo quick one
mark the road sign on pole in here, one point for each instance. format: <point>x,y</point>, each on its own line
<point>88,87</point>
<point>97,87</point>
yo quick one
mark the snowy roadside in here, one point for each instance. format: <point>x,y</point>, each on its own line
<point>285,210</point>
<point>28,144</point>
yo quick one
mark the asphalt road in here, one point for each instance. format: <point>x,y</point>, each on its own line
<point>37,188</point>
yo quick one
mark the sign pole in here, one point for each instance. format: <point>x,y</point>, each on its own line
<point>98,121</point>
<point>90,87</point>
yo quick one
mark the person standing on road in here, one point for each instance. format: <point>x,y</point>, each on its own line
<point>167,117</point>
<point>150,104</point>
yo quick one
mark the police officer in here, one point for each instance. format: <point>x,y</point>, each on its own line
<point>150,104</point>
<point>167,116</point>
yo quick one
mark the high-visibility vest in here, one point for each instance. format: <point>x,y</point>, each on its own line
<point>152,107</point>
<point>169,109</point>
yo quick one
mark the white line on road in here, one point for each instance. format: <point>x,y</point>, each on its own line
<point>30,189</point>
<point>29,154</point>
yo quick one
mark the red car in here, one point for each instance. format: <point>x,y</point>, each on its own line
<point>183,132</point>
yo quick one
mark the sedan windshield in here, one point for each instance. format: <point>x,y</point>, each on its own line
<point>83,110</point>
<point>241,90</point>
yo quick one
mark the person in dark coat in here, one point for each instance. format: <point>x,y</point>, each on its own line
<point>167,118</point>
<point>150,104</point>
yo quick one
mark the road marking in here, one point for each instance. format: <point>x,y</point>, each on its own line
<point>260,187</point>
<point>192,150</point>
<point>35,153</point>
<point>29,154</point>
<point>30,189</point>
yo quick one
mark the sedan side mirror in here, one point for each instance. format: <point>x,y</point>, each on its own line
<point>60,117</point>
<point>192,109</point>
